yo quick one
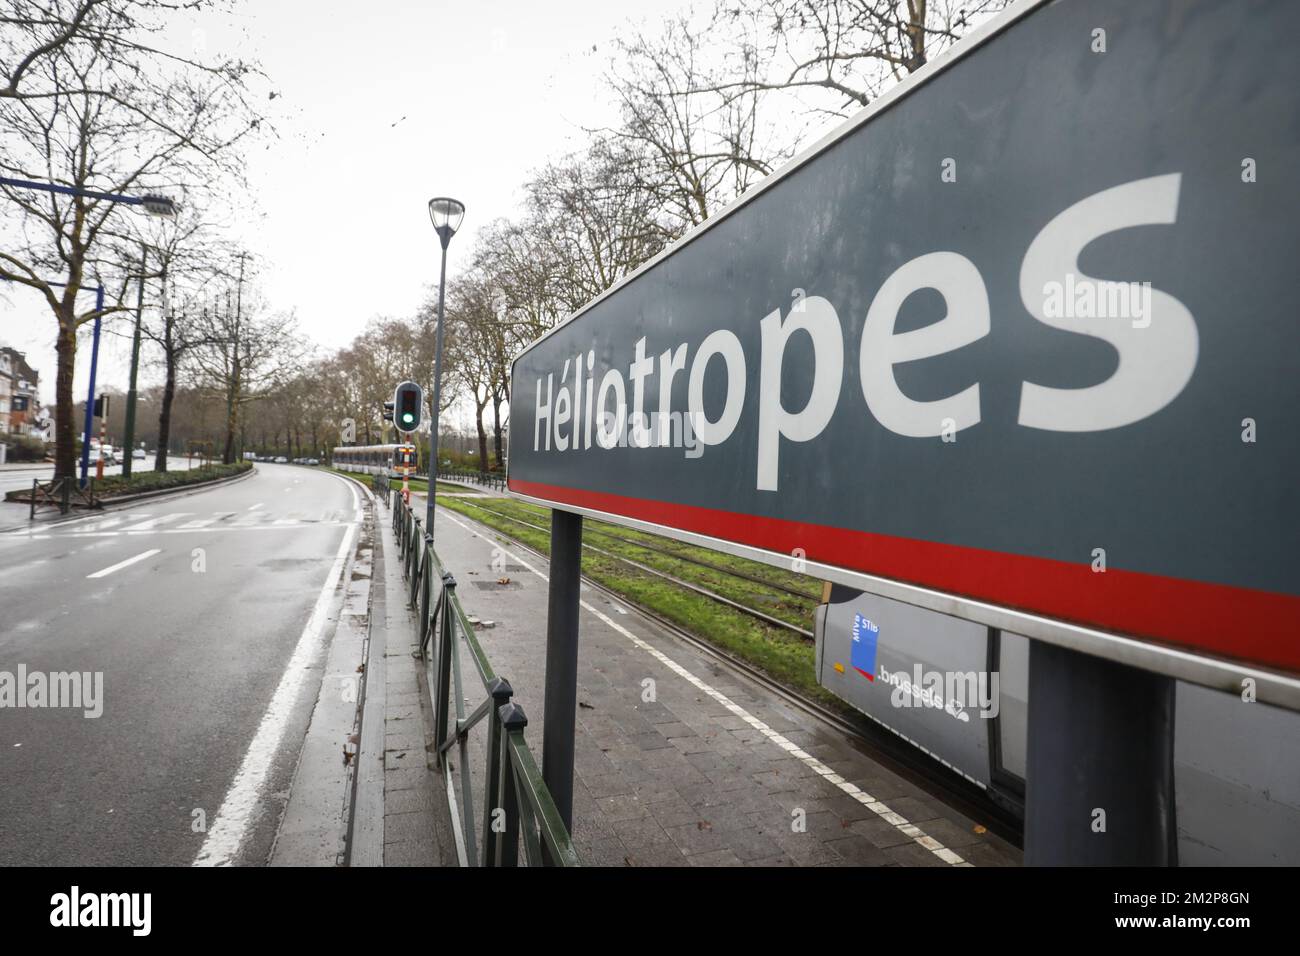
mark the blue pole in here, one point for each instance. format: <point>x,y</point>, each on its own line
<point>70,191</point>
<point>90,398</point>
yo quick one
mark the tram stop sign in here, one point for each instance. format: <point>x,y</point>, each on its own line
<point>1018,343</point>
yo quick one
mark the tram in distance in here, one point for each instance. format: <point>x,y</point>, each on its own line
<point>385,460</point>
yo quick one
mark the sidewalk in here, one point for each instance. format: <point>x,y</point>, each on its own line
<point>681,761</point>
<point>401,816</point>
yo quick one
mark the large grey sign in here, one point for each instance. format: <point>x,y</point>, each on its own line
<point>1025,332</point>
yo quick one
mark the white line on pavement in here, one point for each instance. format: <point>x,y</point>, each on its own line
<point>122,564</point>
<point>256,506</point>
<point>900,823</point>
<point>238,810</point>
<point>156,522</point>
<point>199,523</point>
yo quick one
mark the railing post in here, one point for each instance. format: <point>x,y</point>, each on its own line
<point>418,569</point>
<point>501,692</point>
<point>426,590</point>
<point>31,515</point>
<point>513,721</point>
<point>446,640</point>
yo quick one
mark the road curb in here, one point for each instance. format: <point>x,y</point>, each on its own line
<point>314,826</point>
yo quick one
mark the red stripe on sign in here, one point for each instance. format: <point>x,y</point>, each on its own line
<point>1258,626</point>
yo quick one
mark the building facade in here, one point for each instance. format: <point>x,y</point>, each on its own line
<point>19,394</point>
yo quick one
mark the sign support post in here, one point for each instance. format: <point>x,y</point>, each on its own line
<point>103,428</point>
<point>1099,776</point>
<point>560,712</point>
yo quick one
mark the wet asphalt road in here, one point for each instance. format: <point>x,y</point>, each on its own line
<point>190,660</point>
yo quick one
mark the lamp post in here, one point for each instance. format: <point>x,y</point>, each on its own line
<point>128,439</point>
<point>446,215</point>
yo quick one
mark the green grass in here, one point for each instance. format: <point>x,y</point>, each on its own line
<point>115,485</point>
<point>782,654</point>
<point>157,480</point>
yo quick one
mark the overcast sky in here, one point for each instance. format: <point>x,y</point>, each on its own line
<point>388,104</point>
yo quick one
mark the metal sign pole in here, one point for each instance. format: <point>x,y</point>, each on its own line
<point>90,396</point>
<point>1099,777</point>
<point>561,702</point>
<point>103,428</point>
<point>406,471</point>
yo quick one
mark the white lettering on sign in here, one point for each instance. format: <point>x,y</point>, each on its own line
<point>1157,353</point>
<point>1156,358</point>
<point>958,281</point>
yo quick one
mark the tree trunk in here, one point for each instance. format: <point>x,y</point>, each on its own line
<point>496,426</point>
<point>65,447</point>
<point>232,416</point>
<point>165,415</point>
<point>482,438</point>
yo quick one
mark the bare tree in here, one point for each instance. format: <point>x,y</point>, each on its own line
<point>693,137</point>
<point>245,352</point>
<point>98,113</point>
<point>35,33</point>
<point>838,55</point>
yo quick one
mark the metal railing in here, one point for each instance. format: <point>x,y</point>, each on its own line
<point>517,808</point>
<point>488,479</point>
<point>62,493</point>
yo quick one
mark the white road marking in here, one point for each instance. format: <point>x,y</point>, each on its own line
<point>110,522</point>
<point>238,810</point>
<point>199,523</point>
<point>877,807</point>
<point>256,506</point>
<point>156,522</point>
<point>122,564</point>
<point>266,526</point>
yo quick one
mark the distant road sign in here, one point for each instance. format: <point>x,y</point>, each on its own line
<point>1018,343</point>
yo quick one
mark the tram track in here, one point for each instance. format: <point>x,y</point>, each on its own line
<point>763,616</point>
<point>876,741</point>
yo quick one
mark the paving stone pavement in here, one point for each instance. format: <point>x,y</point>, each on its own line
<point>668,775</point>
<point>416,821</point>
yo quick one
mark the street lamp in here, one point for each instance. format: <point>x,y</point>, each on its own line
<point>446,215</point>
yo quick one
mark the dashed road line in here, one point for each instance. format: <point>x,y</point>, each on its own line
<point>123,564</point>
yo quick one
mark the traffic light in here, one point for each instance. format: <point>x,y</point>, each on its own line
<point>388,411</point>
<point>408,401</point>
<point>101,406</point>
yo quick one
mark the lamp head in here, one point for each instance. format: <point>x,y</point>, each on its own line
<point>446,215</point>
<point>157,205</point>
